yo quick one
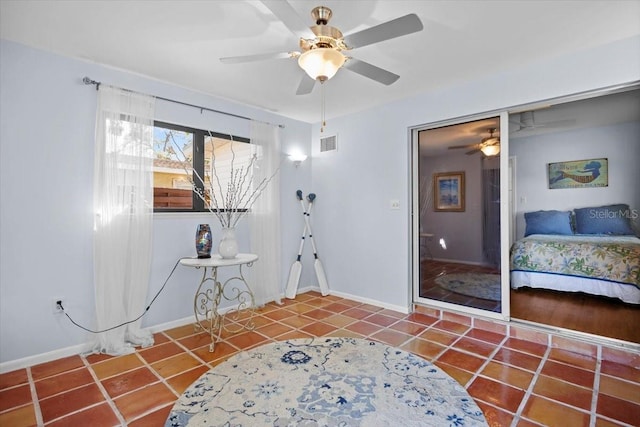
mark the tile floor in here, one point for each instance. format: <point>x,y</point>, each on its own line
<point>518,376</point>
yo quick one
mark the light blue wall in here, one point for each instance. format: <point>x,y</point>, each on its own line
<point>46,159</point>
<point>47,118</point>
<point>619,143</point>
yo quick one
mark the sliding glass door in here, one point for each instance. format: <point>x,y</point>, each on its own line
<point>461,217</point>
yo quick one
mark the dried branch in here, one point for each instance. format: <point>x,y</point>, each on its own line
<point>240,195</point>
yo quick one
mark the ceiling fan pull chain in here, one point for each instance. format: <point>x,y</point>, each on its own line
<point>322,106</point>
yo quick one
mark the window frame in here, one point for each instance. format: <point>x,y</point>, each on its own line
<point>199,135</point>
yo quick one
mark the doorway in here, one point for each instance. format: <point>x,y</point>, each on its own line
<point>603,125</point>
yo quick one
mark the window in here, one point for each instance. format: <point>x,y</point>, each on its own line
<point>182,156</point>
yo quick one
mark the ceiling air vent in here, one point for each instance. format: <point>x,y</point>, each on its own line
<point>329,143</point>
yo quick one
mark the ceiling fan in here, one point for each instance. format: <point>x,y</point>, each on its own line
<point>489,146</point>
<point>527,122</point>
<point>322,46</point>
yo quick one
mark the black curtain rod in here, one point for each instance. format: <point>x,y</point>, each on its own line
<point>89,81</point>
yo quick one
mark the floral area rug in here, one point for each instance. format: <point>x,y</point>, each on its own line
<point>325,382</point>
<point>479,285</point>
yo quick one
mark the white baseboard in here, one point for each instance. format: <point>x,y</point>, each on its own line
<point>12,365</point>
<point>37,359</point>
<point>173,324</point>
<point>398,308</point>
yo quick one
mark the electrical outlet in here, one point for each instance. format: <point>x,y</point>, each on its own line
<point>394,204</point>
<point>56,306</point>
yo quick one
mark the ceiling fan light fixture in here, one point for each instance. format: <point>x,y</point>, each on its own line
<point>490,150</point>
<point>321,63</point>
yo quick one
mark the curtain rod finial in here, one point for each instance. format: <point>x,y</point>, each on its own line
<point>86,80</point>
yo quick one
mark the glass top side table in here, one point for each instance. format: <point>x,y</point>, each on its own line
<point>211,292</point>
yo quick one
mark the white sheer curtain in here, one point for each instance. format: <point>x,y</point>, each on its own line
<point>123,202</point>
<point>264,219</point>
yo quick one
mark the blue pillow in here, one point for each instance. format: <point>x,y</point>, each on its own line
<point>548,222</point>
<point>611,219</point>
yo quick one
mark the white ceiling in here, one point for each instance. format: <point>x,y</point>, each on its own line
<point>180,42</point>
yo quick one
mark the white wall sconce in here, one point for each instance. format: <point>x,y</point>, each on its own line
<point>297,158</point>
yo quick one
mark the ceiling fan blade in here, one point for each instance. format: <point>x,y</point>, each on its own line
<point>287,14</point>
<point>306,85</point>
<point>257,57</point>
<point>468,153</point>
<point>462,146</point>
<point>371,71</point>
<point>387,30</point>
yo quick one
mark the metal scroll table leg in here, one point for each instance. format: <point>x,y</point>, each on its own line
<point>207,300</point>
<point>236,289</point>
<point>206,303</point>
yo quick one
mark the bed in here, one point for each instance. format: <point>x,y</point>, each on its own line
<point>553,257</point>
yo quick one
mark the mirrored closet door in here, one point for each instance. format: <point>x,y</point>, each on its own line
<point>458,194</point>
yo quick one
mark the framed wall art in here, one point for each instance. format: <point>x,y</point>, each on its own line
<point>579,174</point>
<point>448,190</point>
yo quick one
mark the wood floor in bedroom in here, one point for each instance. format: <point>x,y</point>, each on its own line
<point>602,316</point>
<point>607,317</point>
